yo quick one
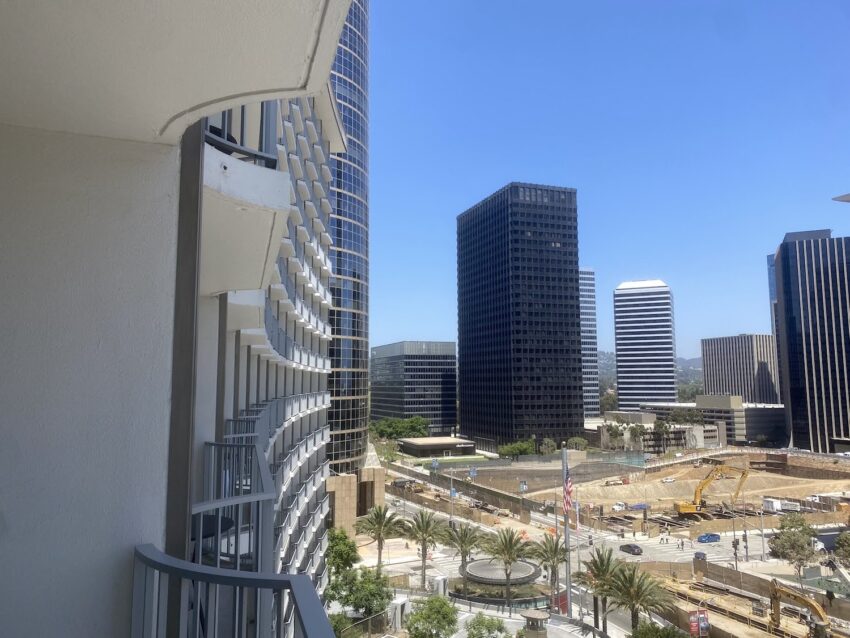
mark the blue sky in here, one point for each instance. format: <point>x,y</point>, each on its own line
<point>696,132</point>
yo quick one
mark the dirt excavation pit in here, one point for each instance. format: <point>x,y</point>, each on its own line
<point>661,495</point>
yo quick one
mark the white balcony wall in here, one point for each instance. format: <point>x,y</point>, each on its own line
<point>87,269</point>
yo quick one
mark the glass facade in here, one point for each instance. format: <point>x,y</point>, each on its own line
<point>519,350</point>
<point>416,378</point>
<point>349,229</point>
<point>813,302</point>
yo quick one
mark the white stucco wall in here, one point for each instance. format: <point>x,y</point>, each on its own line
<point>87,258</point>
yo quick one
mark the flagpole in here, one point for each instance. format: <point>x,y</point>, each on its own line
<point>578,560</point>
<point>567,532</point>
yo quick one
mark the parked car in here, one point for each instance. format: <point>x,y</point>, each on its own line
<point>631,548</point>
<point>668,479</point>
<point>700,556</point>
<point>708,538</point>
<point>619,506</point>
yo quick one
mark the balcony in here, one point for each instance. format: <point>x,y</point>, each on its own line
<point>228,588</point>
<point>220,602</point>
<point>167,71</point>
<point>246,207</point>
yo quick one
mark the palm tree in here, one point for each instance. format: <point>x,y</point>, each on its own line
<point>463,539</point>
<point>380,525</point>
<point>550,553</point>
<point>425,529</point>
<point>597,576</point>
<point>637,591</point>
<point>507,546</point>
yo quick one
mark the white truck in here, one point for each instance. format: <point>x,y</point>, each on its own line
<point>771,505</point>
<point>790,506</point>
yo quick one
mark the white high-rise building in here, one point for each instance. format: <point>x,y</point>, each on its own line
<point>645,342</point>
<point>589,347</point>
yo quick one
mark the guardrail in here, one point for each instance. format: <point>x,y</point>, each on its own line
<point>219,132</point>
<point>219,602</point>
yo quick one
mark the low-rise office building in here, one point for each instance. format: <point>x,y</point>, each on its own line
<point>437,446</point>
<point>415,378</point>
<point>744,422</point>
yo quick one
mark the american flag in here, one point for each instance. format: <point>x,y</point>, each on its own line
<point>568,489</point>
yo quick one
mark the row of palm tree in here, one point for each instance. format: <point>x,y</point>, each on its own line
<point>623,586</point>
<point>426,530</point>
<point>613,582</point>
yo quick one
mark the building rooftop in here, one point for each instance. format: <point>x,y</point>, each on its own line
<point>643,283</point>
<point>414,347</point>
<point>436,440</point>
<point>823,233</point>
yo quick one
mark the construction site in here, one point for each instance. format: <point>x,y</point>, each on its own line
<point>720,492</point>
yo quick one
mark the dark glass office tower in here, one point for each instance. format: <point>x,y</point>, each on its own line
<point>416,378</point>
<point>813,311</point>
<point>349,228</point>
<point>519,350</point>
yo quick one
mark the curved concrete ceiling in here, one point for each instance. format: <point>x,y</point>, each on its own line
<point>146,70</point>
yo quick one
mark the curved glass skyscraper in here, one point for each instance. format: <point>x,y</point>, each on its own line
<point>349,316</point>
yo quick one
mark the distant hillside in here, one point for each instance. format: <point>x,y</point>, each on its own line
<point>607,364</point>
<point>689,370</point>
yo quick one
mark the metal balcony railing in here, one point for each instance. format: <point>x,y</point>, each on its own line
<point>264,422</point>
<point>219,602</point>
<point>226,131</point>
<point>301,306</point>
<point>232,526</point>
<point>228,588</point>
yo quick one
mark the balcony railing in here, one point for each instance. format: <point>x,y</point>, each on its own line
<point>263,422</point>
<point>221,602</point>
<point>226,131</point>
<point>232,526</point>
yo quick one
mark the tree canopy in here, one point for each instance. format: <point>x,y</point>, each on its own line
<point>793,542</point>
<point>363,590</point>
<point>608,402</point>
<point>685,416</point>
<point>434,618</point>
<point>481,626</point>
<point>637,591</point>
<point>548,446</point>
<point>651,630</point>
<point>518,448</point>
<point>391,428</point>
<point>341,554</point>
<point>577,443</point>
<point>842,548</point>
<point>380,524</point>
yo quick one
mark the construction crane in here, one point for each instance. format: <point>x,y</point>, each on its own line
<point>819,627</point>
<point>695,507</point>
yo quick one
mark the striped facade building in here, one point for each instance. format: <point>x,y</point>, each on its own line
<point>813,309</point>
<point>589,346</point>
<point>645,343</point>
<point>742,365</point>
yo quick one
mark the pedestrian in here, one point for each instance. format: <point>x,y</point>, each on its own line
<point>661,539</point>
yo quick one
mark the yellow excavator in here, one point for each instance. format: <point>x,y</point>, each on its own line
<point>694,508</point>
<point>819,626</point>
